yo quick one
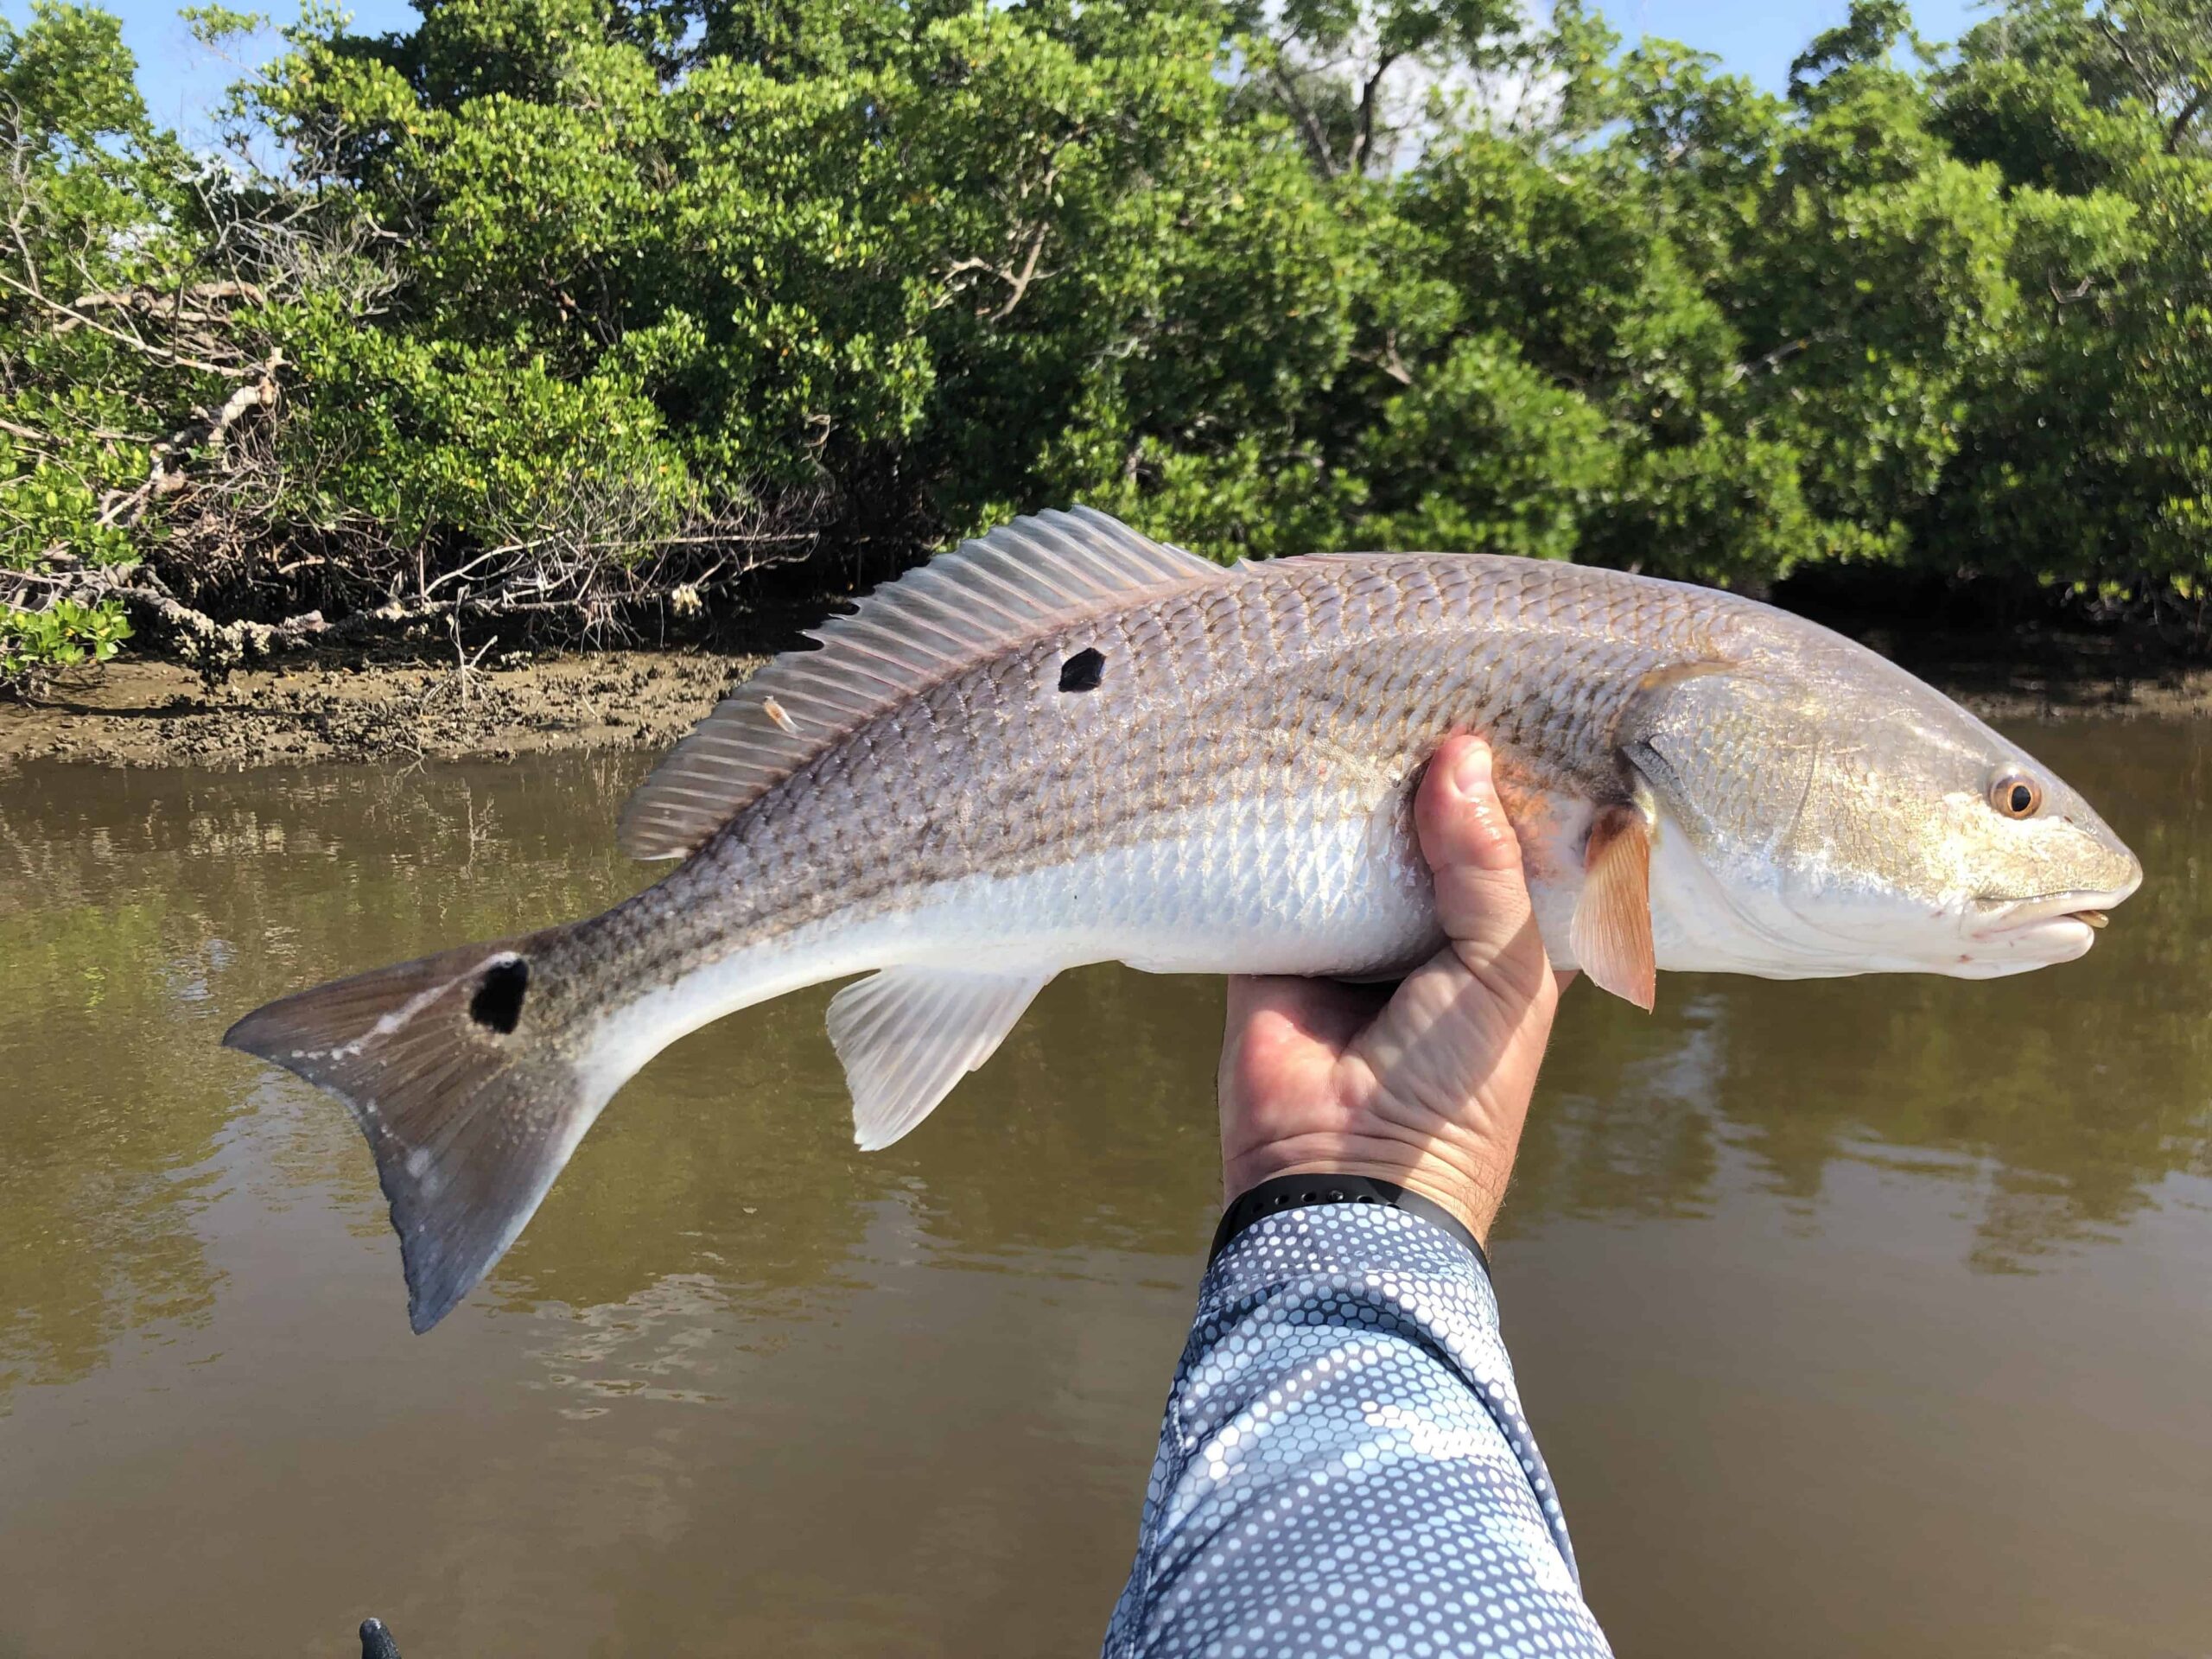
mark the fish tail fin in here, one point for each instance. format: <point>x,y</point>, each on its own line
<point>469,1105</point>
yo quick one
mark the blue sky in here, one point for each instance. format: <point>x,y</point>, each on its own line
<point>183,81</point>
<point>1759,39</point>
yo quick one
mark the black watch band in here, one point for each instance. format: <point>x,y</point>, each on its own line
<point>1294,1191</point>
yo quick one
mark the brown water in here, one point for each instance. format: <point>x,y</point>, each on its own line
<point>1861,1318</point>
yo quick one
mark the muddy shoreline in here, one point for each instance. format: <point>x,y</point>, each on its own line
<point>151,713</point>
<point>140,712</point>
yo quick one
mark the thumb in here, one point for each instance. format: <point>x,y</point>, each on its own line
<point>1450,1062</point>
<point>1474,860</point>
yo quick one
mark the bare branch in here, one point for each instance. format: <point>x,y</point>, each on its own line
<point>2178,128</point>
<point>1362,139</point>
<point>1020,282</point>
<point>128,506</point>
<point>2144,82</point>
<point>1392,364</point>
<point>1317,140</point>
<point>144,300</point>
<point>131,340</point>
<point>1017,281</point>
<point>1773,361</point>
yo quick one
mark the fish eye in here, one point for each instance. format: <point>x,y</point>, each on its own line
<point>2016,794</point>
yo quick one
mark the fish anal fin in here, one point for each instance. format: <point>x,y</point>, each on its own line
<point>1611,934</point>
<point>906,1035</point>
<point>1024,579</point>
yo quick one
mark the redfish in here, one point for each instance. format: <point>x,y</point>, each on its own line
<point>1065,743</point>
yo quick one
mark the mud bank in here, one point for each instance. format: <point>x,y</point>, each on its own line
<point>152,713</point>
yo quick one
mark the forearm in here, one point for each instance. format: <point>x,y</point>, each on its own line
<point>1344,1455</point>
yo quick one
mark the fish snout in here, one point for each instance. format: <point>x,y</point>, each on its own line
<point>2055,927</point>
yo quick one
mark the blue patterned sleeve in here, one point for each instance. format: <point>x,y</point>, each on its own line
<point>1344,1468</point>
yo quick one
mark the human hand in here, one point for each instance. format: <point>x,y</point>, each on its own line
<point>1426,1085</point>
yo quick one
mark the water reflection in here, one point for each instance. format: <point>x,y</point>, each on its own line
<point>694,1368</point>
<point>141,912</point>
<point>2068,1094</point>
<point>133,910</point>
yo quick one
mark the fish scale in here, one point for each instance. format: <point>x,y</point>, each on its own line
<point>1067,744</point>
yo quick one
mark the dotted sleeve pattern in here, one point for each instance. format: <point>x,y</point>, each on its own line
<point>1344,1469</point>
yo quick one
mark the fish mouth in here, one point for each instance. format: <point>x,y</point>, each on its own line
<point>2057,927</point>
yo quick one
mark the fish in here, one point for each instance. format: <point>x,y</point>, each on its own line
<point>1065,743</point>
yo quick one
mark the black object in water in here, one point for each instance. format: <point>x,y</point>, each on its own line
<point>376,1641</point>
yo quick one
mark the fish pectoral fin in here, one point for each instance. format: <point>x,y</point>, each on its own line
<point>906,1035</point>
<point>1611,934</point>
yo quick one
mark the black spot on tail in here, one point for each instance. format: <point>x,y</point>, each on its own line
<point>498,1003</point>
<point>1083,672</point>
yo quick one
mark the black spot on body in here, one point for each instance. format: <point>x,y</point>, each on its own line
<point>1083,672</point>
<point>498,1003</point>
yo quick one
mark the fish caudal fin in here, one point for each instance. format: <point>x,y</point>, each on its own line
<point>469,1108</point>
<point>1611,934</point>
<point>907,1034</point>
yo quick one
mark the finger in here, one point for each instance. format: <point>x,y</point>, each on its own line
<point>1282,1039</point>
<point>1453,1016</point>
<point>1324,1012</point>
<point>1278,1058</point>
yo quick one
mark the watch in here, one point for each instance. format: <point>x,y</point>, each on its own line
<point>1295,1191</point>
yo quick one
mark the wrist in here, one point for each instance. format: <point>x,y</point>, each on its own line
<point>1337,1189</point>
<point>1456,1192</point>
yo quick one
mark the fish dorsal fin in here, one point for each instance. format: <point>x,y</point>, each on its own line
<point>1611,934</point>
<point>906,1035</point>
<point>1024,579</point>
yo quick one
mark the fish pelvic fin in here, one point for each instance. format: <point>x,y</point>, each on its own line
<point>906,1035</point>
<point>1611,934</point>
<point>468,1108</point>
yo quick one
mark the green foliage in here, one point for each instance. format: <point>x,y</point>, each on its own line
<point>2086,457</point>
<point>60,634</point>
<point>556,304</point>
<point>91,191</point>
<point>214,25</point>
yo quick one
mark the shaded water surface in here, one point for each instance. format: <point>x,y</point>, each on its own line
<point>1859,1317</point>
